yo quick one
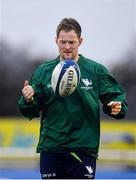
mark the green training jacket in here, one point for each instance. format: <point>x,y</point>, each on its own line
<point>72,123</point>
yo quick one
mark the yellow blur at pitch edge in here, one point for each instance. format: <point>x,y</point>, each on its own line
<point>19,137</point>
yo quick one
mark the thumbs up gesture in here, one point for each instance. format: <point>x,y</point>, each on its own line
<point>28,91</point>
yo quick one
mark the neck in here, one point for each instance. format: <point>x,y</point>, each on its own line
<point>75,59</point>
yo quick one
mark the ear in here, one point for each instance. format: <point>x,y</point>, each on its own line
<point>56,40</point>
<point>80,41</point>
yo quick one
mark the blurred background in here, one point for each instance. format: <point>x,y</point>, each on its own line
<point>27,39</point>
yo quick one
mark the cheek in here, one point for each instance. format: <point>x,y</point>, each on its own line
<point>75,50</point>
<point>60,48</point>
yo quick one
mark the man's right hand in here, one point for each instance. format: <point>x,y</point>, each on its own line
<point>28,92</point>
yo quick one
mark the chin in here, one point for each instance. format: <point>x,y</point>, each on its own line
<point>69,57</point>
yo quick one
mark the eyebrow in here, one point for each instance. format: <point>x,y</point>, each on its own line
<point>68,41</point>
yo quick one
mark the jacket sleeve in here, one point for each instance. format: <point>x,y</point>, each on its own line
<point>32,109</point>
<point>110,90</point>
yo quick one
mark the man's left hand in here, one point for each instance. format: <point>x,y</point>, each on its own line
<point>115,107</point>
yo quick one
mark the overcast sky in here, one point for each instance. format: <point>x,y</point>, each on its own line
<point>109,26</point>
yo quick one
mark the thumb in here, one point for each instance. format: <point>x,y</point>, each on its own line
<point>110,103</point>
<point>26,83</point>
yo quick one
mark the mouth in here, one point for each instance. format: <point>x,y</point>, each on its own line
<point>67,53</point>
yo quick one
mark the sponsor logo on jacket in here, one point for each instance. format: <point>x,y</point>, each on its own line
<point>87,84</point>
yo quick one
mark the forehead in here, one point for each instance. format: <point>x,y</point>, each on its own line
<point>71,35</point>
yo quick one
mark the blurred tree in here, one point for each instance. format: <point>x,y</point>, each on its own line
<point>126,75</point>
<point>15,66</point>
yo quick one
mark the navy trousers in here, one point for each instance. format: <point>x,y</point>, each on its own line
<point>67,165</point>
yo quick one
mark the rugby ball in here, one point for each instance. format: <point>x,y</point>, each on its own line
<point>65,77</point>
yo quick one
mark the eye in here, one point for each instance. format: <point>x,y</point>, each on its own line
<point>62,42</point>
<point>72,42</point>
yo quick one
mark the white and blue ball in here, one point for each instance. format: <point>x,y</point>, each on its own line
<point>65,77</point>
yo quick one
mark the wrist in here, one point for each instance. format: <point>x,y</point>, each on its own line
<point>29,100</point>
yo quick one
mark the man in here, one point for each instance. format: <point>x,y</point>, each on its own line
<point>70,126</point>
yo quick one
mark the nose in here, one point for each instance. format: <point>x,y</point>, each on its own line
<point>67,45</point>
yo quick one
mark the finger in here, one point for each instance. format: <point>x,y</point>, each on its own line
<point>110,103</point>
<point>24,89</point>
<point>29,96</point>
<point>27,90</point>
<point>116,107</point>
<point>114,113</point>
<point>26,83</point>
<point>117,104</point>
<point>28,93</point>
<point>114,103</point>
<point>115,110</point>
